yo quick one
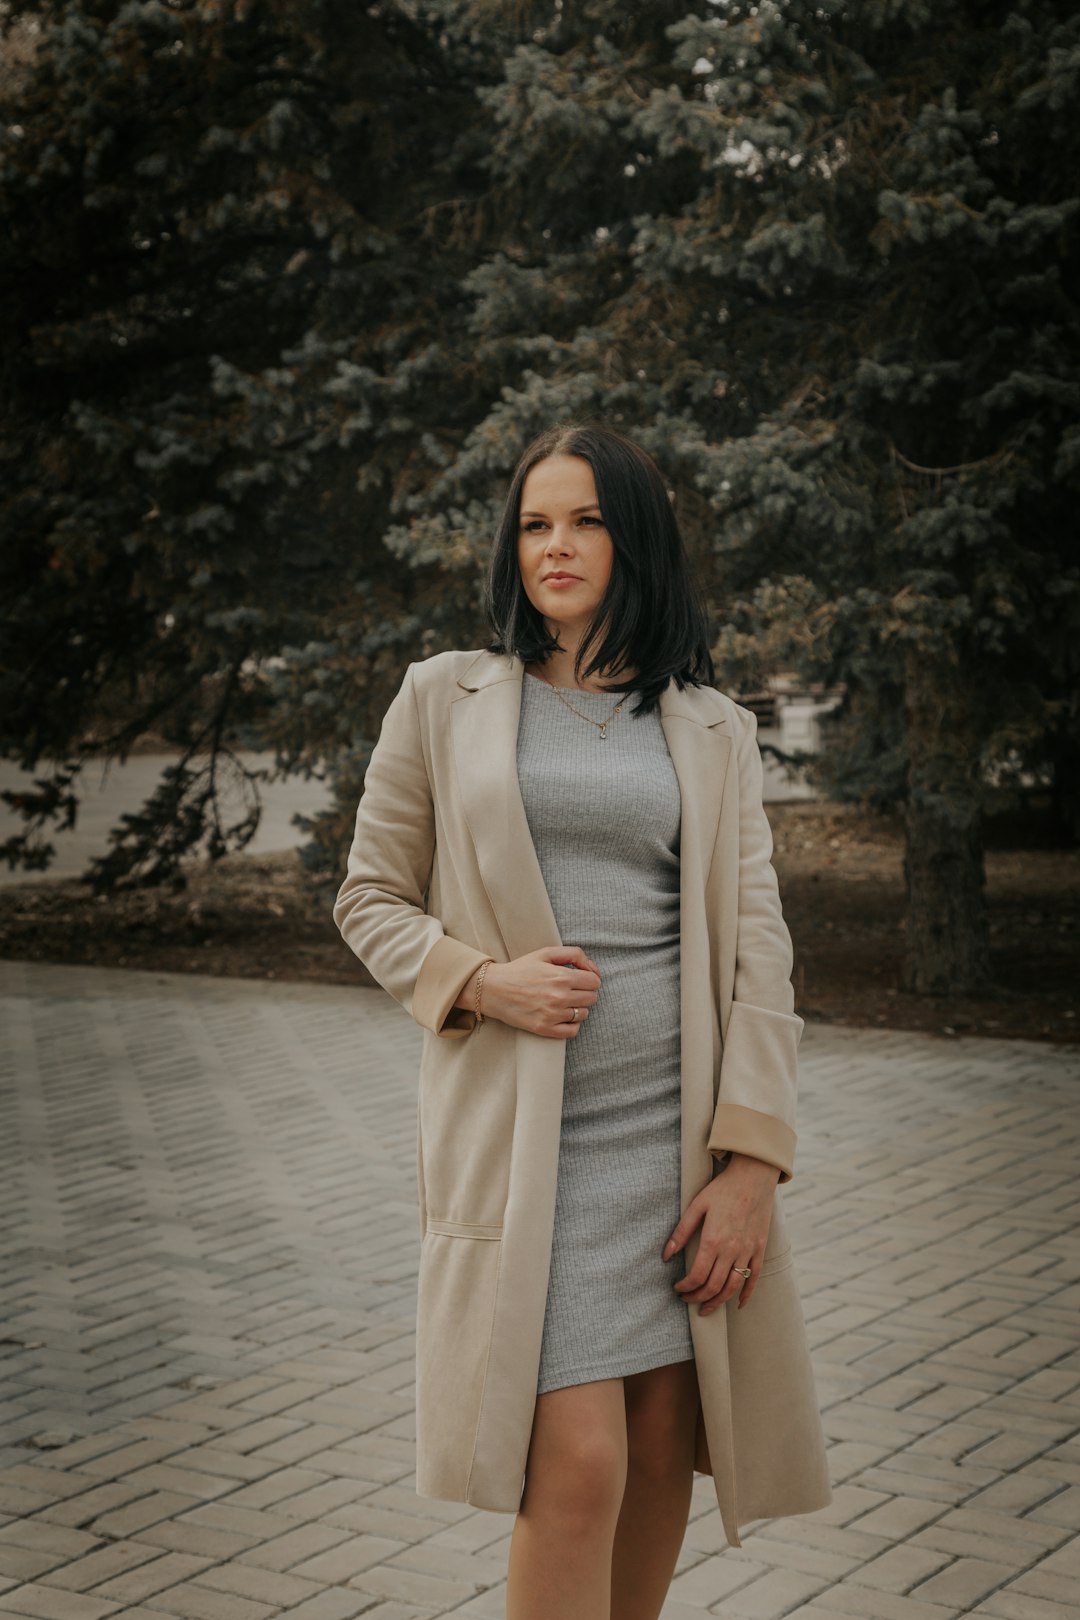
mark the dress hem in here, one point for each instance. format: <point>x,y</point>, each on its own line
<point>620,1368</point>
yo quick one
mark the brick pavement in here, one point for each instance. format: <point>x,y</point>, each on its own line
<point>208,1285</point>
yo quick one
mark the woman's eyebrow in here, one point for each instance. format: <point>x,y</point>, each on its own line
<point>576,512</point>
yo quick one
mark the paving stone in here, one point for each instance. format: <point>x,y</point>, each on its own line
<point>260,1585</point>
<point>1065,1560</point>
<point>392,1610</point>
<point>901,1568</point>
<point>39,1535</point>
<point>1063,1508</point>
<point>247,1523</point>
<point>851,1603</point>
<point>294,1547</point>
<point>332,1603</point>
<point>773,1595</point>
<point>51,1603</point>
<point>194,1601</point>
<point>425,1591</point>
<point>187,1482</point>
<point>1012,1605</point>
<point>1015,1550</point>
<point>363,1518</point>
<point>964,1582</point>
<point>277,1487</point>
<point>57,1483</point>
<point>121,1463</point>
<point>84,1574</point>
<point>149,1507</point>
<point>20,1501</point>
<point>323,1501</point>
<point>1044,1584</point>
<point>490,1605</point>
<point>1025,1493</point>
<point>302,1446</point>
<point>155,1576</point>
<point>716,1578</point>
<point>203,1540</point>
<point>899,1518</point>
<point>469,1567</point>
<point>339,1564</point>
<point>24,1564</point>
<point>848,1546</point>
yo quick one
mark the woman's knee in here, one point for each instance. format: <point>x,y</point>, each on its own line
<point>577,1460</point>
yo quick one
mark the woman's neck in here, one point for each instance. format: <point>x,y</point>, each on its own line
<point>558,668</point>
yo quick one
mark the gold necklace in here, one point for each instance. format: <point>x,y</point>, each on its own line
<point>603,724</point>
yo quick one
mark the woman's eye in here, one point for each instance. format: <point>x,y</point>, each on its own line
<point>532,524</point>
<point>538,522</point>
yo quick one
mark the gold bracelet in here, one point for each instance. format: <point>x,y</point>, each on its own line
<point>479,986</point>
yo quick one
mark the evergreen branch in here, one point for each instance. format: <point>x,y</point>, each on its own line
<point>128,733</point>
<point>997,457</point>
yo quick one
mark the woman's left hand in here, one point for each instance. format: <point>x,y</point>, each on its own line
<point>734,1211</point>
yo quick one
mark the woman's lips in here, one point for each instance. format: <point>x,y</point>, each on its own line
<point>562,579</point>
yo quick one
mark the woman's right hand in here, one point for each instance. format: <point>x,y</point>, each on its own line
<point>538,992</point>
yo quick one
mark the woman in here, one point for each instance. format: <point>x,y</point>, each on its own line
<point>561,869</point>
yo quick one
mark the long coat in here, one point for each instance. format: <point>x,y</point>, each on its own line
<point>442,875</point>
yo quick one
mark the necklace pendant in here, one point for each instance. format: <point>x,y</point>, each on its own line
<point>603,731</point>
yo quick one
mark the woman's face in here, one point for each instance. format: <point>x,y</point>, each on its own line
<point>562,531</point>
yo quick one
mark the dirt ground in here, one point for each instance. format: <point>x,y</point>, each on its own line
<point>841,882</point>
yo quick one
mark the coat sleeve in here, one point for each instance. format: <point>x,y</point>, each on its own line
<point>755,1110</point>
<point>380,908</point>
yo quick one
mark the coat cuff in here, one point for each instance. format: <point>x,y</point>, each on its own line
<point>758,1083</point>
<point>737,1129</point>
<point>444,972</point>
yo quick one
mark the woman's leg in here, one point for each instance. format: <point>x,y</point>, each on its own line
<point>661,1414</point>
<point>575,1475</point>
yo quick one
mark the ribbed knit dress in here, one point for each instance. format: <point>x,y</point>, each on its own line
<point>605,820</point>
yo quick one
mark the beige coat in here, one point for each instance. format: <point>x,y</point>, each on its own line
<point>442,874</point>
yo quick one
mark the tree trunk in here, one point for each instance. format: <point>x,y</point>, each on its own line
<point>947,943</point>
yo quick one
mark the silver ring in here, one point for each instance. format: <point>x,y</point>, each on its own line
<point>744,1271</point>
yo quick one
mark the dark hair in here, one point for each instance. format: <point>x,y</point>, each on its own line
<point>652,616</point>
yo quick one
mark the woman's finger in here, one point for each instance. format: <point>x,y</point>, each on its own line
<point>688,1223</point>
<point>568,1025</point>
<point>716,1277</point>
<point>711,1285</point>
<point>713,1273</point>
<point>733,1283</point>
<point>725,1279</point>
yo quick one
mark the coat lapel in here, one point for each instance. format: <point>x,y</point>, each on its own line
<point>484,718</point>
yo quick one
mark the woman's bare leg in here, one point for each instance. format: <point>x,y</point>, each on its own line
<point>575,1475</point>
<point>661,1414</point>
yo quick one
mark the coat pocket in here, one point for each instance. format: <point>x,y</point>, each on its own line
<point>455,1312</point>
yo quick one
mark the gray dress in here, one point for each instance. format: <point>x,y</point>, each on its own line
<point>605,817</point>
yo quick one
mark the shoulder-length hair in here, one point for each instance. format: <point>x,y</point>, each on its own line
<point>652,617</point>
